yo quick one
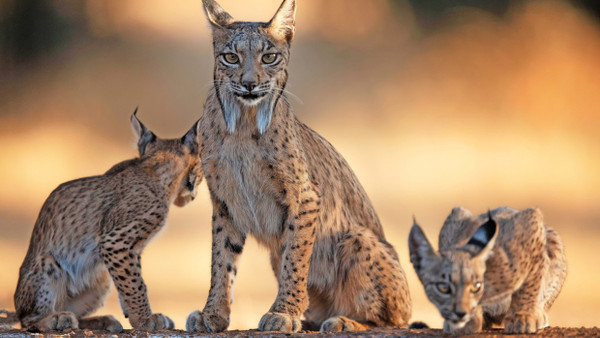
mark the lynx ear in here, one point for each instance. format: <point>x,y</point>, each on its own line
<point>216,14</point>
<point>419,247</point>
<point>190,139</point>
<point>484,238</point>
<point>142,133</point>
<point>283,25</point>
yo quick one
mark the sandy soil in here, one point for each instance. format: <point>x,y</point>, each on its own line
<point>548,332</point>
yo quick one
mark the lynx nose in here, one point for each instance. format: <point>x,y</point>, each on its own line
<point>249,85</point>
<point>460,315</point>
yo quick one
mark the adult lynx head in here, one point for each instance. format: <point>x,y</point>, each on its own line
<point>453,278</point>
<point>251,61</point>
<point>174,160</point>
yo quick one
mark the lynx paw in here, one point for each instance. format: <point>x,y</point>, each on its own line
<point>59,321</point>
<point>276,321</point>
<point>108,323</point>
<point>155,322</point>
<point>112,324</point>
<point>465,329</point>
<point>338,324</point>
<point>525,322</point>
<point>204,322</point>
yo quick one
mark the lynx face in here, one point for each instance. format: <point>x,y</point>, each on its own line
<point>251,61</point>
<point>453,279</point>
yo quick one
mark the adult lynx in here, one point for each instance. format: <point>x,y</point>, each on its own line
<point>92,231</point>
<point>272,177</point>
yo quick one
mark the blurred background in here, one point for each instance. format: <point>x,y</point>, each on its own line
<point>433,103</point>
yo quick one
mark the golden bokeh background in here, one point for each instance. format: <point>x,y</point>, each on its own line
<point>472,107</point>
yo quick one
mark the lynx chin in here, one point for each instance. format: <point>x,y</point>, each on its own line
<point>91,232</point>
<point>272,177</point>
<point>502,267</point>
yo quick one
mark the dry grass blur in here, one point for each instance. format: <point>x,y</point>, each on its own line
<point>482,111</point>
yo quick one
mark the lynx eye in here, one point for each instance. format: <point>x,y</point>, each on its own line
<point>231,58</point>
<point>269,58</point>
<point>443,288</point>
<point>475,287</point>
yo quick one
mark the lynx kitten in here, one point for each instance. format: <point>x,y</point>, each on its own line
<point>505,266</point>
<point>92,231</point>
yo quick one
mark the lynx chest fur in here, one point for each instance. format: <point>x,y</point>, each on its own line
<point>239,166</point>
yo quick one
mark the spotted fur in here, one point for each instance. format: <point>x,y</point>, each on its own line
<point>505,266</point>
<point>92,231</point>
<point>272,177</point>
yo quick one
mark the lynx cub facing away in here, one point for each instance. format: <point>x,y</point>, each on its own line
<point>272,177</point>
<point>502,266</point>
<point>93,229</point>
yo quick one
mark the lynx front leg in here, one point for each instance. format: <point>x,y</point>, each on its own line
<point>526,312</point>
<point>526,315</point>
<point>296,251</point>
<point>227,245</point>
<point>121,254</point>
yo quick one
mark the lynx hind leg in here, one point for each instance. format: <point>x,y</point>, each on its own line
<point>41,291</point>
<point>371,287</point>
<point>59,321</point>
<point>91,299</point>
<point>105,323</point>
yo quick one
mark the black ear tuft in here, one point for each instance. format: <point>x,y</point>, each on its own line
<point>144,135</point>
<point>484,233</point>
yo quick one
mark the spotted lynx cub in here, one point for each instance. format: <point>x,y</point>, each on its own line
<point>272,177</point>
<point>505,266</point>
<point>93,230</point>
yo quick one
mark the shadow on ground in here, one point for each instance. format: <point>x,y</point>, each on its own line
<point>548,332</point>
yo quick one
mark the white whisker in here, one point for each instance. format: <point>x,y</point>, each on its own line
<point>212,83</point>
<point>290,94</point>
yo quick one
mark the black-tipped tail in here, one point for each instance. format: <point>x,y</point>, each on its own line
<point>418,325</point>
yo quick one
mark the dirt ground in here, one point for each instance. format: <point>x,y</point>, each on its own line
<point>548,332</point>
